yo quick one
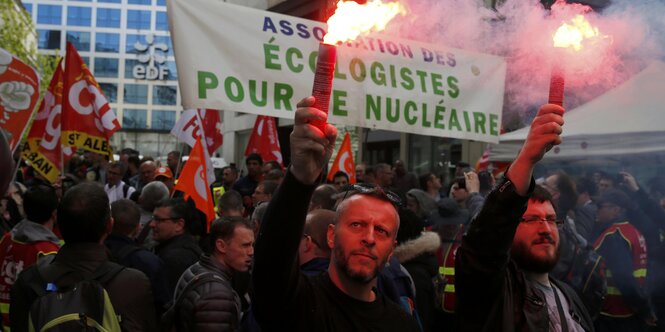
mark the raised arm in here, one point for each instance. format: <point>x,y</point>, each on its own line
<point>276,274</point>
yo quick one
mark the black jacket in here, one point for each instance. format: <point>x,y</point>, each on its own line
<point>210,306</point>
<point>492,292</point>
<point>178,253</point>
<point>129,291</point>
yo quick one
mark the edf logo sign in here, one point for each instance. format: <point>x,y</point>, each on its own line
<point>148,59</point>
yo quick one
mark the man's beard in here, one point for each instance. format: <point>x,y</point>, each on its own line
<point>528,262</point>
<point>342,263</point>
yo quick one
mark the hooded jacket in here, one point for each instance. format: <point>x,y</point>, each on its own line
<point>418,257</point>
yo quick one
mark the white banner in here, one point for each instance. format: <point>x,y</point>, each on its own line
<point>242,59</point>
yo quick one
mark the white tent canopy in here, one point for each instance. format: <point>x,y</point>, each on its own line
<point>626,120</point>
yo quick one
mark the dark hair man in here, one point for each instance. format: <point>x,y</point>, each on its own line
<point>214,305</point>
<point>126,252</point>
<point>85,221</point>
<point>323,198</point>
<point>360,172</point>
<point>264,192</point>
<point>343,299</point>
<point>313,252</point>
<point>403,180</point>
<point>384,175</point>
<point>229,177</point>
<point>585,211</point>
<point>177,248</point>
<point>431,184</point>
<point>502,267</point>
<point>174,162</point>
<point>340,179</point>
<point>247,184</point>
<point>230,204</point>
<point>28,241</point>
<point>115,188</point>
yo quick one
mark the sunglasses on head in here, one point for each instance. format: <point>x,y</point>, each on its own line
<point>373,190</point>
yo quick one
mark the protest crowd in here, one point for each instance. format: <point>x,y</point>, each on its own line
<point>289,250</point>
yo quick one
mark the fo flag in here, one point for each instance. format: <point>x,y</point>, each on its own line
<point>87,119</point>
<point>193,181</point>
<point>200,123</point>
<point>264,140</point>
<point>344,161</point>
<point>42,147</point>
<point>19,91</point>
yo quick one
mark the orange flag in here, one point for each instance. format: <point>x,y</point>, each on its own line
<point>193,182</point>
<point>344,161</point>
<point>87,119</point>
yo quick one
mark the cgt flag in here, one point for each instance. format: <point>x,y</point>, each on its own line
<point>264,140</point>
<point>193,181</point>
<point>42,147</point>
<point>19,92</point>
<point>344,161</point>
<point>87,119</point>
<point>188,130</point>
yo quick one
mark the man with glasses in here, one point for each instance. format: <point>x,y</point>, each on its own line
<point>115,188</point>
<point>177,248</point>
<point>502,268</point>
<point>362,240</point>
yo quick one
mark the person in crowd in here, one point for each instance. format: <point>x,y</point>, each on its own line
<point>370,176</point>
<point>275,175</point>
<point>174,162</point>
<point>340,179</point>
<point>360,172</point>
<point>229,177</point>
<point>247,184</point>
<point>342,299</point>
<point>421,204</point>
<point>270,166</point>
<point>176,247</point>
<point>11,205</point>
<point>313,252</point>
<point>84,218</point>
<point>502,266</point>
<point>323,198</point>
<point>146,174</point>
<point>132,176</point>
<point>626,306</point>
<point>230,204</point>
<point>383,175</point>
<point>264,192</point>
<point>257,217</point>
<point>605,183</point>
<point>121,243</point>
<point>165,176</point>
<point>564,195</point>
<point>214,305</point>
<point>431,184</point>
<point>152,193</point>
<point>115,188</point>
<point>403,181</point>
<point>416,251</point>
<point>487,182</point>
<point>458,191</point>
<point>586,208</point>
<point>28,241</point>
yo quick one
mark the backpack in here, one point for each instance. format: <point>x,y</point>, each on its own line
<point>83,306</point>
<point>584,272</point>
<point>169,318</point>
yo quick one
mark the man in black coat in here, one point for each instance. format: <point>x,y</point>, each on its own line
<point>502,268</point>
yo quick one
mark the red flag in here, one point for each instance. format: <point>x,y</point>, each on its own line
<point>344,161</point>
<point>43,148</point>
<point>19,92</point>
<point>264,140</point>
<point>187,129</point>
<point>212,129</point>
<point>87,119</point>
<point>193,181</point>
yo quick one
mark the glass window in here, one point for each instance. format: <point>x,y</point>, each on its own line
<point>79,16</point>
<point>164,95</point>
<point>49,14</point>
<point>173,71</point>
<point>129,67</point>
<point>110,90</point>
<point>28,8</point>
<point>108,18</point>
<point>136,94</point>
<point>134,119</point>
<point>139,2</point>
<point>130,42</point>
<point>49,39</point>
<point>138,19</point>
<point>161,2</point>
<point>110,1</point>
<point>86,60</point>
<point>162,120</point>
<point>105,67</point>
<point>164,40</point>
<point>161,21</point>
<point>107,42</point>
<point>80,40</point>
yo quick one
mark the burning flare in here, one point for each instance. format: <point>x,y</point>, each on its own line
<point>573,35</point>
<point>351,19</point>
